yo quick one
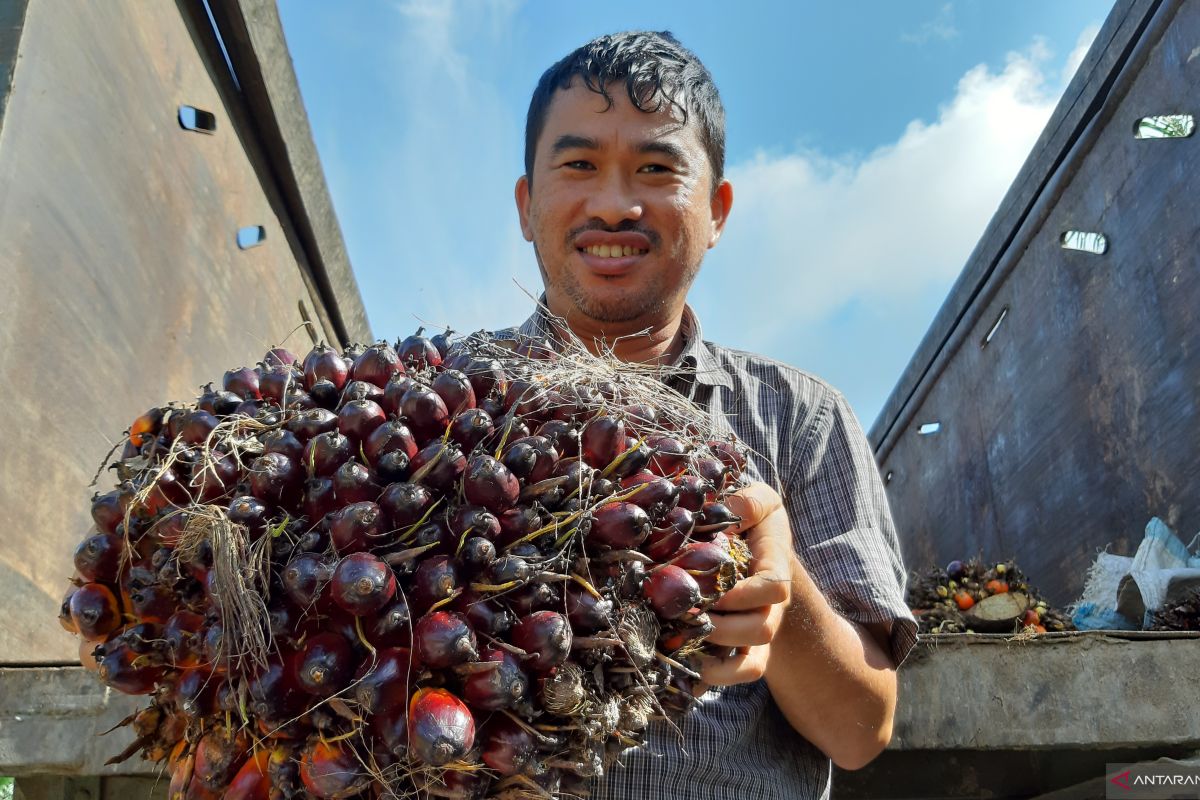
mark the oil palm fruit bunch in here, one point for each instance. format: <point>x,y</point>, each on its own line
<point>466,568</point>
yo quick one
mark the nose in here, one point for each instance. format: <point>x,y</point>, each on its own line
<point>614,200</point>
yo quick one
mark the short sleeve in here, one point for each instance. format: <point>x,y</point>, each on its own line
<point>842,525</point>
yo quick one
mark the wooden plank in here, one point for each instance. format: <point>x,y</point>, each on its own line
<point>1078,422</point>
<point>12,21</point>
<point>124,287</point>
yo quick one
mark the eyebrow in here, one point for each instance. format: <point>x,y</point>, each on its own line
<point>571,141</point>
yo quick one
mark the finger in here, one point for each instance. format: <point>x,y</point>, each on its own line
<point>763,589</point>
<point>740,668</point>
<point>753,503</point>
<point>746,628</point>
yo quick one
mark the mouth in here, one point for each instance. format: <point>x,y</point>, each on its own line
<point>611,254</point>
<point>613,251</point>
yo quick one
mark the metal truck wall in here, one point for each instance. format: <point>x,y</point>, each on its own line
<point>122,284</point>
<point>1060,403</point>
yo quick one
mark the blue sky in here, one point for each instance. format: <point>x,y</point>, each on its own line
<point>868,143</point>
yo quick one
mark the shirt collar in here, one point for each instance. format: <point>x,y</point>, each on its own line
<point>695,361</point>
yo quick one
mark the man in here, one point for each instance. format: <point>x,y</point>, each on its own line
<point>622,195</point>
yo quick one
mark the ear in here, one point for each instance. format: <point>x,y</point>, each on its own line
<point>722,202</point>
<point>521,193</point>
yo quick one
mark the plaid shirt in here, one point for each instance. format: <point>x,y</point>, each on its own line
<point>807,444</point>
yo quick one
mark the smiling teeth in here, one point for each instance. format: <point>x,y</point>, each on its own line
<point>613,251</point>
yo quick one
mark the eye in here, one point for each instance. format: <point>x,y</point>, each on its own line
<point>578,164</point>
<point>654,168</point>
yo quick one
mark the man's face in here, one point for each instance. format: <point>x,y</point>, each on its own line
<point>620,210</point>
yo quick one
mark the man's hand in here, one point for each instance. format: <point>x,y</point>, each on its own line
<point>750,614</point>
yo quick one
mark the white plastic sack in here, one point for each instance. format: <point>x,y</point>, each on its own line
<point>1161,571</point>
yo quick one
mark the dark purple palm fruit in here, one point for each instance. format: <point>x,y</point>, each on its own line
<point>619,525</point>
<point>642,417</point>
<point>425,412</point>
<point>563,435</point>
<point>319,499</point>
<point>363,584</point>
<point>436,579</point>
<point>487,377</point>
<point>440,727</point>
<point>671,591</point>
<point>634,459</point>
<point>275,696</point>
<point>507,748</point>
<point>384,683</point>
<point>324,364</point>
<point>471,427</point>
<point>404,504</point>
<point>546,637</point>
<point>694,491</point>
<point>377,364</point>
<point>442,342</point>
<point>390,437</point>
<point>305,578</point>
<point>712,519</point>
<point>277,479</point>
<point>505,686</point>
<point>418,352</point>
<point>666,539</point>
<point>394,391</point>
<point>284,442</point>
<point>668,455</point>
<point>325,665</point>
<point>325,395</point>
<point>587,612</point>
<point>531,458</point>
<point>576,404</point>
<point>391,626</point>
<point>476,554</point>
<point>251,512</point>
<point>517,523</point>
<point>360,390</point>
<point>325,452</point>
<point>311,422</point>
<point>474,520</point>
<point>296,399</point>
<point>455,390</point>
<point>483,615</point>
<point>711,470</point>
<point>275,382</point>
<point>108,510</point>
<point>488,483</point>
<point>444,639</point>
<point>197,425</point>
<point>244,382</point>
<point>438,465</point>
<point>215,478</point>
<point>280,357</point>
<point>226,403</point>
<point>357,419</point>
<point>356,527</point>
<point>526,398</point>
<point>98,557</point>
<point>730,454</point>
<point>657,495</point>
<point>353,483</point>
<point>534,596</point>
<point>602,440</point>
<point>710,564</point>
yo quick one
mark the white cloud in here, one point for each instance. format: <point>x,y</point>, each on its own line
<point>941,27</point>
<point>836,247</point>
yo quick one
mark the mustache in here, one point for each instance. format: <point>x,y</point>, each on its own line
<point>625,226</point>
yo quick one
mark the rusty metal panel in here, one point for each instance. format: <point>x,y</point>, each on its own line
<point>1078,420</point>
<point>123,285</point>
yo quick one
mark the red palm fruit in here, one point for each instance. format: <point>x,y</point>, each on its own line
<point>251,782</point>
<point>525,398</point>
<point>377,364</point>
<point>440,727</point>
<point>390,437</point>
<point>251,512</point>
<point>108,510</point>
<point>357,419</point>
<point>694,491</point>
<point>394,392</point>
<point>182,766</point>
<point>710,563</point>
<point>666,540</point>
<point>382,684</point>
<point>487,377</point>
<point>215,478</point>
<point>146,427</point>
<point>319,499</point>
<point>94,611</point>
<point>276,382</point>
<point>442,342</point>
<point>545,636</point>
<point>121,667</point>
<point>518,522</point>
<point>98,557</point>
<point>363,584</point>
<point>356,527</point>
<point>466,785</point>
<point>620,526</point>
<point>391,627</point>
<point>305,577</point>
<point>714,518</point>
<point>278,356</point>
<point>310,422</point>
<point>671,591</point>
<point>404,504</point>
<point>507,747</point>
<point>564,436</point>
<point>444,639</point>
<point>730,454</point>
<point>471,427</point>
<point>504,686</point>
<point>218,755</point>
<point>657,495</point>
<point>390,729</point>
<point>488,483</point>
<point>425,411</point>
<point>353,483</point>
<point>483,615</point>
<point>64,612</point>
<point>575,404</point>
<point>275,478</point>
<point>642,416</point>
<point>181,634</point>
<point>330,769</point>
<point>275,696</point>
<point>418,352</point>
<point>325,665</point>
<point>325,452</point>
<point>244,382</point>
<point>455,390</point>
<point>669,456</point>
<point>602,440</point>
<point>587,613</point>
<point>438,465</point>
<point>324,363</point>
<point>283,442</point>
<point>435,579</point>
<point>711,470</point>
<point>360,390</point>
<point>536,348</point>
<point>154,603</point>
<point>197,425</point>
<point>296,399</point>
<point>575,470</point>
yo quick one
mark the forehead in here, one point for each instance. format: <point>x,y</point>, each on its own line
<point>577,110</point>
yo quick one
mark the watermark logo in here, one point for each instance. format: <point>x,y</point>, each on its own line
<point>1161,780</point>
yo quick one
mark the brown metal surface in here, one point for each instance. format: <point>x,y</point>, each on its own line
<point>1079,420</point>
<point>122,283</point>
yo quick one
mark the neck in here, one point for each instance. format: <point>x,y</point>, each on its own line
<point>662,344</point>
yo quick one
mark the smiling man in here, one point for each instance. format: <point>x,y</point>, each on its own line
<point>623,194</point>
